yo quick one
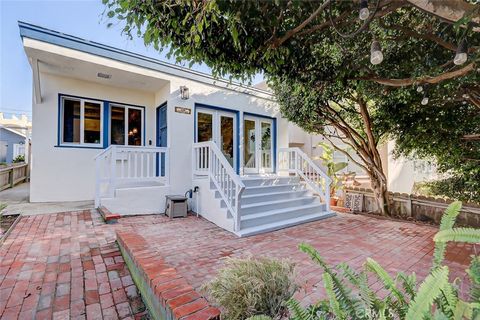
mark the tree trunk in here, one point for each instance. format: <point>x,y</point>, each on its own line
<point>380,192</point>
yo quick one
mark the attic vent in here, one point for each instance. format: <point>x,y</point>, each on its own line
<point>104,75</point>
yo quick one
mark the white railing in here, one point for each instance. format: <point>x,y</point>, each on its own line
<point>294,160</point>
<point>129,164</point>
<point>209,161</point>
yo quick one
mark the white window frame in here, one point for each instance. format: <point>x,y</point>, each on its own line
<point>126,107</point>
<point>82,123</point>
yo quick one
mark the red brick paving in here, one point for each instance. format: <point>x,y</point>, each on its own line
<point>68,264</point>
<point>65,266</point>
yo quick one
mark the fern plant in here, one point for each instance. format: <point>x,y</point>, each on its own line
<point>350,296</point>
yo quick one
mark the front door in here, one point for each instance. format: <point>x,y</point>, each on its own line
<point>161,136</point>
<point>257,143</point>
<point>220,127</point>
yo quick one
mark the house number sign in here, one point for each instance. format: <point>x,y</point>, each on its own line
<point>183,110</point>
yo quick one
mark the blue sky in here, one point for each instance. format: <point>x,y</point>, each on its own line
<point>81,18</point>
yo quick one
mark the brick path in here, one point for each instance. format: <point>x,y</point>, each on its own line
<point>69,265</point>
<point>65,266</point>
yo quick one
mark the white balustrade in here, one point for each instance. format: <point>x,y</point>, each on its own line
<point>208,160</point>
<point>294,160</point>
<point>132,164</point>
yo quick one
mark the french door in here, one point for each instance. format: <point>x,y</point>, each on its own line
<point>257,145</point>
<point>220,127</point>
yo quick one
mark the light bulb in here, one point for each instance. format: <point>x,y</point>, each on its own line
<point>425,101</point>
<point>461,53</point>
<point>364,12</point>
<point>419,89</point>
<point>376,55</point>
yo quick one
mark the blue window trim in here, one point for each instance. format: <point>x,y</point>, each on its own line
<point>274,129</point>
<point>106,121</point>
<point>237,119</point>
<point>121,104</point>
<point>157,127</point>
<point>237,112</point>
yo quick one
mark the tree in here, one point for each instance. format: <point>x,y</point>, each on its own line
<point>324,80</point>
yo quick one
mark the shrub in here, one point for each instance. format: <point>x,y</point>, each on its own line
<point>349,295</point>
<point>248,287</point>
<point>19,158</point>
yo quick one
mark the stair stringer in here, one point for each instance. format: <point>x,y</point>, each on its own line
<point>210,207</point>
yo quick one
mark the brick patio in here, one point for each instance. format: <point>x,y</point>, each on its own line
<point>68,264</point>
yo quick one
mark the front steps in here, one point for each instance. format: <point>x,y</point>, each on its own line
<point>273,202</point>
<point>146,198</point>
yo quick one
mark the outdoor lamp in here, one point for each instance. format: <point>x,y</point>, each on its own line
<point>461,53</point>
<point>364,12</point>
<point>425,101</point>
<point>184,93</point>
<point>376,55</point>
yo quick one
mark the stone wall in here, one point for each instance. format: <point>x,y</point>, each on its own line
<point>412,207</point>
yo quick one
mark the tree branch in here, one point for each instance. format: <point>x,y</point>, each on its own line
<point>424,36</point>
<point>423,80</point>
<point>278,42</point>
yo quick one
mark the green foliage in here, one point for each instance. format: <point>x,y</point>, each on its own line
<point>349,295</point>
<point>463,183</point>
<point>316,71</point>
<point>19,158</point>
<point>332,167</point>
<point>249,287</point>
<point>262,317</point>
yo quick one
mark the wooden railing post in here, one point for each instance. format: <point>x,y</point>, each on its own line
<point>113,163</point>
<point>10,178</point>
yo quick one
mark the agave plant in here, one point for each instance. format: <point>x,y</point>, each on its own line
<point>349,295</point>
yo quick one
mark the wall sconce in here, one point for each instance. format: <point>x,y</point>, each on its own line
<point>184,93</point>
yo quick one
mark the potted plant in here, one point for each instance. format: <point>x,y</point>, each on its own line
<point>332,169</point>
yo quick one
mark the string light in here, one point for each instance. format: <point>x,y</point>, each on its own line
<point>364,12</point>
<point>376,55</point>
<point>461,53</point>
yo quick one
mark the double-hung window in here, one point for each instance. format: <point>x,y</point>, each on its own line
<point>126,125</point>
<point>81,122</point>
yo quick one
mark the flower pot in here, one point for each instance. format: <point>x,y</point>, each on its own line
<point>333,201</point>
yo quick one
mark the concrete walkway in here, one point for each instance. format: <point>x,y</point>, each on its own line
<point>18,202</point>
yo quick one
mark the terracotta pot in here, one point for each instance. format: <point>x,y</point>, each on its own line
<point>333,201</point>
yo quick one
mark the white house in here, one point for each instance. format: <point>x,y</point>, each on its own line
<point>127,130</point>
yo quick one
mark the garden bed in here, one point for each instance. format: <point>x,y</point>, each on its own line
<point>7,223</point>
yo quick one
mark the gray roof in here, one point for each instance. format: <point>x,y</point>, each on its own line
<point>35,32</point>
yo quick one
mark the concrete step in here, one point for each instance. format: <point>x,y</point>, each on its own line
<point>273,188</point>
<point>260,207</point>
<point>269,180</point>
<point>276,225</point>
<point>278,215</point>
<point>262,197</point>
<point>137,200</point>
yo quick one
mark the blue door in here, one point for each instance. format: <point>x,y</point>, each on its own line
<point>162,134</point>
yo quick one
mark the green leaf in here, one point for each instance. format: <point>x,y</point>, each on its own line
<point>328,284</point>
<point>428,291</point>
<point>469,235</point>
<point>339,166</point>
<point>447,222</point>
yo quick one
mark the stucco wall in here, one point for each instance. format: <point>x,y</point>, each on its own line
<point>62,173</point>
<point>68,173</point>
<point>181,126</point>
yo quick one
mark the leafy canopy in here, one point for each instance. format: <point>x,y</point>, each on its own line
<point>310,66</point>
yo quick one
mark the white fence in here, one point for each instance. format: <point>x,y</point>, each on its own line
<point>294,160</point>
<point>129,164</point>
<point>209,160</point>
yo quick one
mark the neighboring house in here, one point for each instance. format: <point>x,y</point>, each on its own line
<point>12,144</point>
<point>14,137</point>
<point>127,130</point>
<point>402,174</point>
